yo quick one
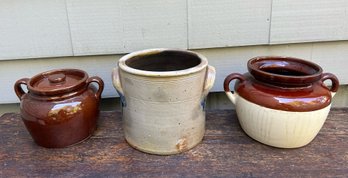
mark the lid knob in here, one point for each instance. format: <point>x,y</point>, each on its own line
<point>56,78</point>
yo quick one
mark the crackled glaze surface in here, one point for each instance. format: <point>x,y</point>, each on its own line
<point>163,99</point>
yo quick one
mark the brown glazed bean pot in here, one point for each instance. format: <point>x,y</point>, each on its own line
<point>61,106</point>
<point>282,101</point>
<point>284,83</point>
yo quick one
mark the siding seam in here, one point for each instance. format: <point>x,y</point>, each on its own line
<point>70,35</point>
<point>270,23</point>
<point>187,25</point>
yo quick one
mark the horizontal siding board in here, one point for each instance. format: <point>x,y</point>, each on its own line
<point>38,28</point>
<point>331,56</point>
<point>96,26</point>
<point>228,23</point>
<point>109,27</point>
<point>31,29</point>
<point>298,21</point>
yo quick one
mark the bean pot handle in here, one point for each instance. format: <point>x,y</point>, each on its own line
<point>100,83</point>
<point>334,81</point>
<point>227,82</point>
<point>18,87</point>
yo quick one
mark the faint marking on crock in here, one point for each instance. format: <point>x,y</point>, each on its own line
<point>160,94</point>
<point>181,144</point>
<point>129,81</point>
<point>203,104</point>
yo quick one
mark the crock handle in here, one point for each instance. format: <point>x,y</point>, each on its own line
<point>209,80</point>
<point>116,81</point>
<point>334,81</point>
<point>18,88</point>
<point>227,81</point>
<point>100,83</point>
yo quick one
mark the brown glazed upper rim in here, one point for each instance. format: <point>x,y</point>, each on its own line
<point>58,90</point>
<point>313,71</point>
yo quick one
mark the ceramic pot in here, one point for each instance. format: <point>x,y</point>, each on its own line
<point>61,107</point>
<point>282,101</point>
<point>163,94</point>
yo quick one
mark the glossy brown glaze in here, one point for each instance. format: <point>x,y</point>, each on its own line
<point>61,107</point>
<point>282,83</point>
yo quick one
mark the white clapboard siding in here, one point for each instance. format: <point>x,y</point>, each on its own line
<point>110,27</point>
<point>228,23</point>
<point>331,56</point>
<point>309,20</point>
<point>35,28</point>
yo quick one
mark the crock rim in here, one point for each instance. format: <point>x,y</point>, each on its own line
<point>122,63</point>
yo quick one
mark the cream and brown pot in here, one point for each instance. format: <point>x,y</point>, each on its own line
<point>163,93</point>
<point>282,101</point>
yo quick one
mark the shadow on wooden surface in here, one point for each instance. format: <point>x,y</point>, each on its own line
<point>226,151</point>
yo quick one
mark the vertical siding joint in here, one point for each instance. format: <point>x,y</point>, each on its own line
<point>270,23</point>
<point>70,35</point>
<point>187,25</point>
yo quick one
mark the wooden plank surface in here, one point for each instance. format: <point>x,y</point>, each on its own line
<point>226,151</point>
<point>228,23</point>
<point>32,29</point>
<point>114,27</point>
<point>308,21</point>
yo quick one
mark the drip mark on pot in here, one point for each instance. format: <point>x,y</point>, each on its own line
<point>203,104</point>
<point>181,144</point>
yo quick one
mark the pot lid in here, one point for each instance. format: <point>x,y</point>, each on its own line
<point>59,81</point>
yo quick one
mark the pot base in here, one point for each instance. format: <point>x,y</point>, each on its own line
<point>163,153</point>
<point>282,129</point>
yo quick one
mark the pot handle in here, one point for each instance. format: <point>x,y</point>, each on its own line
<point>227,81</point>
<point>116,81</point>
<point>18,88</point>
<point>100,83</point>
<point>334,81</point>
<point>209,80</point>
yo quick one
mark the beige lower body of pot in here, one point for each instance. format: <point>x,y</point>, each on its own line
<point>164,115</point>
<point>283,129</point>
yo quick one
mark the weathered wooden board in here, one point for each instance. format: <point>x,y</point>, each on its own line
<point>307,21</point>
<point>111,27</point>
<point>228,23</point>
<point>226,151</point>
<point>33,29</point>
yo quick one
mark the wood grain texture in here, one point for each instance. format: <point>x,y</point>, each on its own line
<point>308,21</point>
<point>113,27</point>
<point>226,151</point>
<point>35,28</point>
<point>228,23</point>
